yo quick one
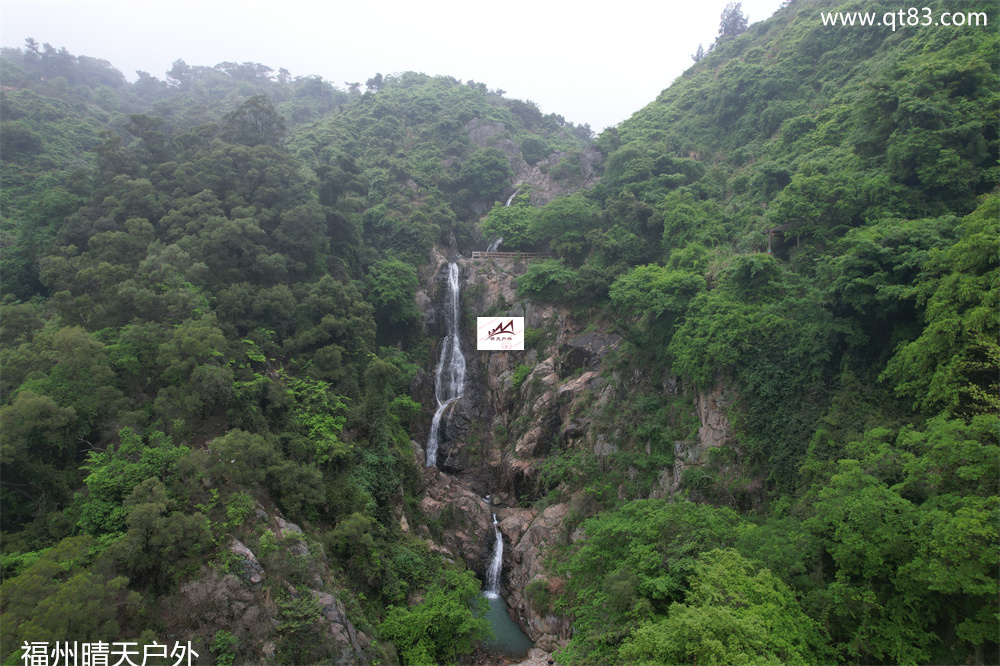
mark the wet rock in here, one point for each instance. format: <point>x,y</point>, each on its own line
<point>715,429</point>
<point>428,314</point>
<point>571,388</point>
<point>542,374</point>
<point>574,430</point>
<point>484,134</point>
<point>419,454</point>
<point>293,539</point>
<point>589,161</point>
<point>285,528</point>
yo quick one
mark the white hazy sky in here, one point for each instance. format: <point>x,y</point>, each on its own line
<point>590,61</point>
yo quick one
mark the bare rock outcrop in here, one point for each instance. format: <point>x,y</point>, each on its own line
<point>532,533</point>
<point>586,350</point>
<point>544,187</point>
<point>350,641</point>
<point>465,517</point>
<point>715,431</point>
<point>250,570</point>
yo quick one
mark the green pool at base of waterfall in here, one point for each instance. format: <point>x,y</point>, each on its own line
<point>510,641</point>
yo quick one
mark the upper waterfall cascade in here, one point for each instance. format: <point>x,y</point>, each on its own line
<point>449,380</point>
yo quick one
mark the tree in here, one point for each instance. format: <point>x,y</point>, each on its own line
<point>159,538</point>
<point>55,599</point>
<point>650,291</point>
<point>733,22</point>
<point>633,564</point>
<point>564,223</point>
<point>255,122</point>
<point>952,365</point>
<point>180,74</point>
<point>734,614</point>
<point>699,55</point>
<point>318,415</point>
<point>446,624</point>
<point>486,173</point>
<point>512,223</point>
<point>392,285</point>
<point>38,446</point>
<point>115,473</point>
<point>374,84</point>
<point>545,280</point>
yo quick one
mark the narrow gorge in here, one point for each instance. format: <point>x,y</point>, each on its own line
<point>493,437</point>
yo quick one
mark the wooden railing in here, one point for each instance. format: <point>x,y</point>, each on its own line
<point>511,255</point>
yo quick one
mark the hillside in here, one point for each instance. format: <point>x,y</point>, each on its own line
<point>755,418</point>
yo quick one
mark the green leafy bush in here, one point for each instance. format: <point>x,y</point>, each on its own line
<point>446,624</point>
<point>521,373</point>
<point>545,280</point>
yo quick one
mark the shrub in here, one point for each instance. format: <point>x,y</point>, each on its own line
<point>521,373</point>
<point>545,281</point>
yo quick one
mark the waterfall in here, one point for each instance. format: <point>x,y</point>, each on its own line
<point>450,378</point>
<point>494,245</point>
<point>510,641</point>
<point>496,564</point>
<point>511,197</point>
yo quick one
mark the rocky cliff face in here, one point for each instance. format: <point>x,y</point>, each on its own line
<point>533,533</point>
<point>516,408</point>
<point>237,599</point>
<point>580,175</point>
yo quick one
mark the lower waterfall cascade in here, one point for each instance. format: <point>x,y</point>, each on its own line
<point>510,641</point>
<point>493,574</point>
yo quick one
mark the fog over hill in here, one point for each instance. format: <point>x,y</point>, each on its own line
<point>560,54</point>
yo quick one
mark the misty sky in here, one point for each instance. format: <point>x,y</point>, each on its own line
<point>591,62</point>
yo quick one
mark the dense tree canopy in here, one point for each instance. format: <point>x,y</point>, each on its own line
<point>209,317</point>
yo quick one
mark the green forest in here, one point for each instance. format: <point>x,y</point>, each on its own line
<point>210,325</point>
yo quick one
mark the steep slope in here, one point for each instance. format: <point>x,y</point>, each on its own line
<point>755,418</point>
<point>206,335</point>
<point>767,237</point>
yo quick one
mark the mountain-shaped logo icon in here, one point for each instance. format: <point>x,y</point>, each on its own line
<point>504,328</point>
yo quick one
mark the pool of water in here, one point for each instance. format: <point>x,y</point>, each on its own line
<point>510,641</point>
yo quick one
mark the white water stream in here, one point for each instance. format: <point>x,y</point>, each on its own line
<point>449,382</point>
<point>496,564</point>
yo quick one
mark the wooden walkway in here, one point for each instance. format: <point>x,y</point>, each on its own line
<point>511,255</point>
